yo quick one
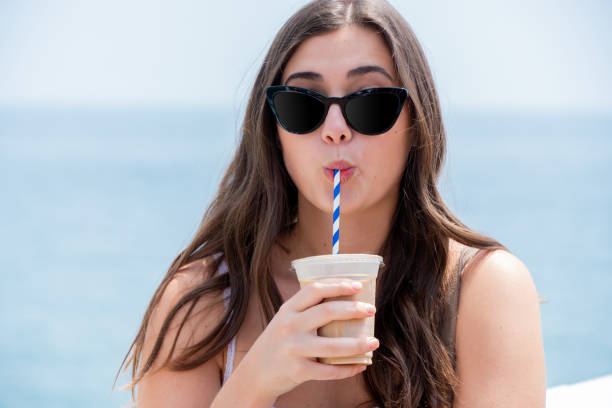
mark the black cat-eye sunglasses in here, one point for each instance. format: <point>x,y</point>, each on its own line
<point>369,111</point>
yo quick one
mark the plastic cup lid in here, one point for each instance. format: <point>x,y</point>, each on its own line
<point>339,258</point>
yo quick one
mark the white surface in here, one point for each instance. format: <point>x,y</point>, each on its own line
<point>592,393</point>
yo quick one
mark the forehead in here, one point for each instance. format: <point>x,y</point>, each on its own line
<point>336,53</point>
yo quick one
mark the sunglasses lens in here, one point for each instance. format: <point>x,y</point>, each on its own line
<point>298,113</point>
<point>373,113</point>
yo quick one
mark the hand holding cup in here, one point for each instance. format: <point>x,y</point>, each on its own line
<point>285,354</point>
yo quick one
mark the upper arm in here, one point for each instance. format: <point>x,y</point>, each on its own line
<point>500,355</point>
<point>193,388</point>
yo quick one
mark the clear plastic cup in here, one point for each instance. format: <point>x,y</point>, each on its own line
<point>330,268</point>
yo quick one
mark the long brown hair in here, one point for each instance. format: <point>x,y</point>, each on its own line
<point>257,202</point>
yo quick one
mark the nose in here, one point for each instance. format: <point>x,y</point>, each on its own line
<point>334,129</point>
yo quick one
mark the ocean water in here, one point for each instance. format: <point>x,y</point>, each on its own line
<point>96,204</point>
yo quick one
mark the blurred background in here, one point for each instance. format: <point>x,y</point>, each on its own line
<point>118,119</point>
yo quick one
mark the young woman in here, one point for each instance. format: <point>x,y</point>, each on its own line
<point>457,316</point>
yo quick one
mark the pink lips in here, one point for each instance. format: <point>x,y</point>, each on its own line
<point>346,170</point>
<point>339,164</point>
<point>345,174</point>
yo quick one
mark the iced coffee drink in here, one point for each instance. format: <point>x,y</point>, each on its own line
<point>360,267</point>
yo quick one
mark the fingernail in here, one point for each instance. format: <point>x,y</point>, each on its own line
<point>356,285</point>
<point>372,341</point>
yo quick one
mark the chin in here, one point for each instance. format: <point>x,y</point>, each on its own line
<point>345,208</point>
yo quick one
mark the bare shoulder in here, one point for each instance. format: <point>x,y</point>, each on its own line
<point>162,386</point>
<point>499,269</point>
<point>500,356</point>
<point>187,278</point>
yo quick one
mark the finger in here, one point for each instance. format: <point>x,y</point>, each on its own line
<point>322,371</point>
<point>326,312</point>
<point>315,292</point>
<point>336,346</point>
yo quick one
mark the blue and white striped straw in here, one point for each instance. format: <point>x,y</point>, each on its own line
<point>336,218</point>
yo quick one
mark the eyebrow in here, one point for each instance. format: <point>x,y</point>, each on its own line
<point>352,73</point>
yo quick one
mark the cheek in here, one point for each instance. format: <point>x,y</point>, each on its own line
<point>390,155</point>
<point>388,161</point>
<point>401,144</point>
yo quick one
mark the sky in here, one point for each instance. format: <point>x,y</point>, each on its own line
<point>485,55</point>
